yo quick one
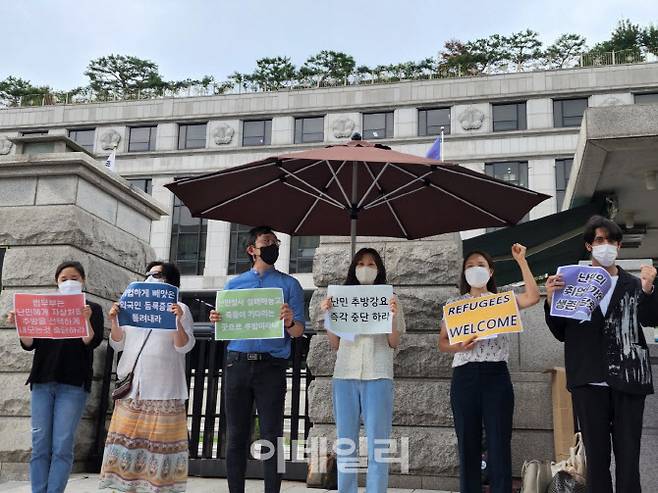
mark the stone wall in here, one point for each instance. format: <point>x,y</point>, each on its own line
<point>56,207</point>
<point>424,274</point>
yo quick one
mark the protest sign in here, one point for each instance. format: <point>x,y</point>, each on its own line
<point>584,288</point>
<point>148,305</point>
<point>50,316</point>
<point>249,314</point>
<point>484,317</point>
<point>362,309</point>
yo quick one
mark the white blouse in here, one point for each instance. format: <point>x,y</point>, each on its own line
<point>494,349</point>
<point>368,357</point>
<point>160,371</point>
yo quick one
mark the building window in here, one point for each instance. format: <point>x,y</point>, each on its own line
<point>646,98</point>
<point>568,112</point>
<point>309,129</point>
<point>378,125</point>
<point>238,260</point>
<point>198,303</point>
<point>257,133</point>
<point>142,139</point>
<point>143,184</point>
<point>302,250</point>
<point>188,240</point>
<point>509,116</point>
<point>431,121</point>
<point>562,172</point>
<point>514,172</point>
<point>192,136</point>
<point>84,138</point>
<point>32,133</point>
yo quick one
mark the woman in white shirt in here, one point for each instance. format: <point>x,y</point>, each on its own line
<point>146,448</point>
<point>481,388</point>
<point>363,384</point>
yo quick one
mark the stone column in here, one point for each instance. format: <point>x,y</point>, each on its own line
<point>56,207</point>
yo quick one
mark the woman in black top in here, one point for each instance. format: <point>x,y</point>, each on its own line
<point>60,381</point>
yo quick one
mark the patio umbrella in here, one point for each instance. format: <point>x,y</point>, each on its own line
<point>358,185</point>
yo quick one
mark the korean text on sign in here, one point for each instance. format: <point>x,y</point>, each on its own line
<point>584,288</point>
<point>360,309</point>
<point>50,316</point>
<point>148,305</point>
<point>484,316</point>
<point>249,314</point>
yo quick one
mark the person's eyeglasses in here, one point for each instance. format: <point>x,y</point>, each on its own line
<point>154,274</point>
<point>267,243</point>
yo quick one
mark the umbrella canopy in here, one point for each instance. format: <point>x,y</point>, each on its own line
<point>331,190</point>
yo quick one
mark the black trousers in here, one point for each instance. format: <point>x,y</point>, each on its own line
<point>245,383</point>
<point>483,393</point>
<point>604,413</point>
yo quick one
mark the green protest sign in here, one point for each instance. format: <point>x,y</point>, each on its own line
<point>249,314</point>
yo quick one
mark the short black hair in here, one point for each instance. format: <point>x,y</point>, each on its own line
<point>614,231</point>
<point>155,263</point>
<point>73,264</point>
<point>352,280</point>
<point>254,233</point>
<point>464,287</point>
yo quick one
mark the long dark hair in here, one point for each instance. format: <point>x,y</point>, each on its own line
<point>351,279</point>
<point>464,287</point>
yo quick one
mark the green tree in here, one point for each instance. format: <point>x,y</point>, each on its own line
<point>333,66</point>
<point>626,37</point>
<point>123,76</point>
<point>273,73</point>
<point>649,39</point>
<point>15,91</point>
<point>519,48</point>
<point>564,51</point>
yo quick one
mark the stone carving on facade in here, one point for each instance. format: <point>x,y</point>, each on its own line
<point>343,128</point>
<point>611,101</point>
<point>5,146</point>
<point>223,134</point>
<point>110,140</point>
<point>471,118</point>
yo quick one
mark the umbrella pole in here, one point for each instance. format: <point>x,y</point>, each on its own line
<point>354,214</point>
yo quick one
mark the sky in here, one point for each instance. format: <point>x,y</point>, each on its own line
<point>50,42</point>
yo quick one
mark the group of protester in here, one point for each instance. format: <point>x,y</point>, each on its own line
<point>147,444</point>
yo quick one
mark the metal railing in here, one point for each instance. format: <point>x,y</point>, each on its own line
<point>586,60</point>
<point>206,409</point>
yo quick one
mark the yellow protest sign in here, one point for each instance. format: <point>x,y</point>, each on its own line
<point>483,317</point>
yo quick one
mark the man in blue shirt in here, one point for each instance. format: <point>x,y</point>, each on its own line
<point>256,368</point>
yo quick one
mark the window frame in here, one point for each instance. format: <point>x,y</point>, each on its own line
<point>561,188</point>
<point>201,242</point>
<point>558,112</point>
<point>71,131</point>
<point>296,259</point>
<point>521,114</point>
<point>151,140</point>
<point>299,130</point>
<point>266,135</point>
<point>423,127</point>
<point>184,141</point>
<point>389,123</point>
<point>237,259</point>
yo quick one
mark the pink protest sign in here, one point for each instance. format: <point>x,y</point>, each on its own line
<point>50,316</point>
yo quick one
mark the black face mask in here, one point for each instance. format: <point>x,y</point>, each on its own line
<point>269,254</point>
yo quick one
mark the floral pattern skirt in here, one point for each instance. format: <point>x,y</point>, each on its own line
<point>146,450</point>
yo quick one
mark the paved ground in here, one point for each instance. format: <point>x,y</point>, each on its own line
<point>88,483</point>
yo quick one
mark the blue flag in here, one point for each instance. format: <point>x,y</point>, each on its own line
<point>435,150</point>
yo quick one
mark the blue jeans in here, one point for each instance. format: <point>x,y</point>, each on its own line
<point>56,412</point>
<point>372,399</point>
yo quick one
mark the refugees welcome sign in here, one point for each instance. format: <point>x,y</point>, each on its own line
<point>482,317</point>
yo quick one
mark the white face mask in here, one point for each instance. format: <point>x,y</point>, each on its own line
<point>70,287</point>
<point>605,254</point>
<point>153,279</point>
<point>366,274</point>
<point>477,277</point>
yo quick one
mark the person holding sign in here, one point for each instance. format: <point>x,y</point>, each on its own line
<point>256,368</point>
<point>481,388</point>
<point>363,379</point>
<point>607,361</point>
<point>146,447</point>
<point>60,380</point>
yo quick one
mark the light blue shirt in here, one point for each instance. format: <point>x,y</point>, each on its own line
<point>292,294</point>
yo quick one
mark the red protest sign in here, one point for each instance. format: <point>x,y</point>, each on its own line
<point>50,316</point>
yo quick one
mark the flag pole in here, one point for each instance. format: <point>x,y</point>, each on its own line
<point>441,157</point>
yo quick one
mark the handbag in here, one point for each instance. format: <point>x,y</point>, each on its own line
<point>125,385</point>
<point>536,475</point>
<point>565,482</point>
<point>576,464</point>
